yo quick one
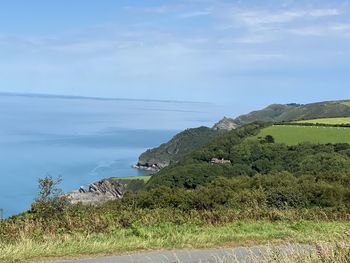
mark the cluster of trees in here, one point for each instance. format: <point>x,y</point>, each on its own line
<point>278,190</point>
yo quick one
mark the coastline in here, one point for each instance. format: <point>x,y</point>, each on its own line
<point>145,167</point>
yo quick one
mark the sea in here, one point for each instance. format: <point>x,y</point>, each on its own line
<point>82,139</point>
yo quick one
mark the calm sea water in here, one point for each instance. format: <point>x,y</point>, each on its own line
<point>82,140</point>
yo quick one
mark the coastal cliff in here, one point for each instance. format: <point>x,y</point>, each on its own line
<point>180,145</point>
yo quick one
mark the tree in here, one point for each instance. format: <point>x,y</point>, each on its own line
<point>49,188</point>
<point>50,201</point>
<point>268,139</point>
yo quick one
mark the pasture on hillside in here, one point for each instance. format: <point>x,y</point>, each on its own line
<point>145,178</point>
<point>332,121</point>
<point>292,135</point>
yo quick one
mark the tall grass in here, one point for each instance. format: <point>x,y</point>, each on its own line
<point>144,236</point>
<point>110,229</point>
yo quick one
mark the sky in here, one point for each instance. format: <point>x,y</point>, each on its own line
<point>230,52</point>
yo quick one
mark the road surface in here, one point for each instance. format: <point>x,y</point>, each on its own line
<point>225,255</point>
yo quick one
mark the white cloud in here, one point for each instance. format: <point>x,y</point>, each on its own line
<point>160,9</point>
<point>254,18</point>
<point>324,12</point>
<point>262,25</point>
<point>261,17</point>
<point>195,14</point>
<point>247,39</point>
<point>339,29</point>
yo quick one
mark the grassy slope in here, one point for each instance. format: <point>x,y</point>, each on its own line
<point>290,112</point>
<point>145,178</point>
<point>327,121</point>
<point>292,135</point>
<point>346,103</point>
<point>169,236</point>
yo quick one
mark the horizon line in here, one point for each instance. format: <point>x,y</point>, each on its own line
<point>76,97</point>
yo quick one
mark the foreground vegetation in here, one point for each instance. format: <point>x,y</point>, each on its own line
<point>163,218</point>
<point>168,236</point>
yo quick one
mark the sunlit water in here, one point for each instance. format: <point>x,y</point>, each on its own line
<point>82,140</point>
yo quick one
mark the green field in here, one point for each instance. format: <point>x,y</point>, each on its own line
<point>292,135</point>
<point>131,177</point>
<point>345,120</point>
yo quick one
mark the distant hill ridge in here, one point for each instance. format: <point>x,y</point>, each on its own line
<point>192,139</point>
<point>294,112</point>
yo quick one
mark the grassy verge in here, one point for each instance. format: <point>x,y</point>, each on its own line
<point>168,236</point>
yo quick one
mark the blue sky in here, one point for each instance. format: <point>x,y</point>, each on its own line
<point>231,52</point>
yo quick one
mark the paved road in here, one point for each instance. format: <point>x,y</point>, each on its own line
<point>234,255</point>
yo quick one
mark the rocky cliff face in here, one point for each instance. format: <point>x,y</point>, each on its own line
<point>226,124</point>
<point>98,192</point>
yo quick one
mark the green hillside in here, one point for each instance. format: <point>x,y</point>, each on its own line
<point>251,157</point>
<point>331,121</point>
<point>292,135</point>
<point>192,139</point>
<point>293,112</point>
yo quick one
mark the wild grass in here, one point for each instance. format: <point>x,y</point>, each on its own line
<point>169,236</point>
<point>292,135</point>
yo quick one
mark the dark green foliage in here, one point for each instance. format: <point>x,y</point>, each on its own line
<point>268,139</point>
<point>135,185</point>
<point>279,190</point>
